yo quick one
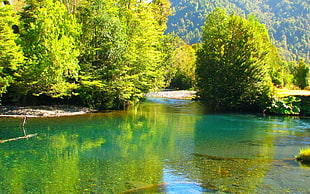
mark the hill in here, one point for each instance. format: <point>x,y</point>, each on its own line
<point>288,21</point>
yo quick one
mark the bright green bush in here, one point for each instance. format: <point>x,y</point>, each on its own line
<point>304,155</point>
<point>11,55</point>
<point>285,106</point>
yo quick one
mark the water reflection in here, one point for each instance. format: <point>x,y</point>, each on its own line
<point>162,146</point>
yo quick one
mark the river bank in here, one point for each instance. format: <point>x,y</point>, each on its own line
<point>66,110</point>
<point>43,111</point>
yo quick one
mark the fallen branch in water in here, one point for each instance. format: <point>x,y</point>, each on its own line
<point>17,138</point>
<point>23,125</point>
<point>24,131</point>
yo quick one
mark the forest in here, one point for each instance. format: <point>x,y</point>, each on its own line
<point>286,21</point>
<point>107,54</point>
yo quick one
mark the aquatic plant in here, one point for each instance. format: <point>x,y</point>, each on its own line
<point>304,155</point>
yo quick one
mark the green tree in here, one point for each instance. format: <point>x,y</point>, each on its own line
<point>121,56</point>
<point>103,47</point>
<point>11,55</point>
<point>302,74</point>
<point>169,45</point>
<point>185,65</point>
<point>161,10</point>
<point>143,57</point>
<point>72,5</point>
<point>232,66</point>
<point>50,39</point>
<point>287,21</point>
<point>280,73</point>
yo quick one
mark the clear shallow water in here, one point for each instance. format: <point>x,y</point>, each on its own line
<point>164,146</point>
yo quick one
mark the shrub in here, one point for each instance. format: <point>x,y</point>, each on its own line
<point>304,155</point>
<point>285,106</point>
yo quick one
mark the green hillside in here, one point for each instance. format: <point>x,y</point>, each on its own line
<point>288,21</point>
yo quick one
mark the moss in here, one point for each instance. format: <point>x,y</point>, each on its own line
<point>304,156</point>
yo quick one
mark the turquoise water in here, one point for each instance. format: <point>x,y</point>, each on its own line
<point>164,146</point>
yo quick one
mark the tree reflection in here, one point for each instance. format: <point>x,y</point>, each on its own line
<point>241,155</point>
<point>159,147</point>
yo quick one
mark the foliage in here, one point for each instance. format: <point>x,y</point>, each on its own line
<point>50,45</point>
<point>11,55</point>
<point>103,46</point>
<point>185,66</point>
<point>72,5</point>
<point>169,44</point>
<point>285,106</point>
<point>287,21</point>
<point>302,74</point>
<point>108,53</point>
<point>122,56</point>
<point>304,155</point>
<point>232,66</point>
<point>143,57</point>
<point>280,73</point>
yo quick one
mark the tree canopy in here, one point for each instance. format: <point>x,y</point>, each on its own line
<point>232,65</point>
<point>49,40</point>
<point>108,53</point>
<point>287,21</point>
<point>121,56</point>
<point>105,54</point>
<point>11,55</point>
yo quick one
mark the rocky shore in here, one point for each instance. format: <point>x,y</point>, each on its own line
<point>43,111</point>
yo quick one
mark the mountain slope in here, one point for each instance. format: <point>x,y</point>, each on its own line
<point>288,21</point>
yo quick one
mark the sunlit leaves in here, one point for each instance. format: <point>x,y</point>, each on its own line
<point>109,53</point>
<point>232,65</point>
<point>50,45</point>
<point>302,74</point>
<point>122,50</point>
<point>11,56</point>
<point>185,66</point>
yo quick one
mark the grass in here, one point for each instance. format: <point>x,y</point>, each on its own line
<point>304,155</point>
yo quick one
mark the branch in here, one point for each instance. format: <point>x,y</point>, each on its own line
<point>17,138</point>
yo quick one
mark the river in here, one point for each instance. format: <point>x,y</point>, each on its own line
<point>163,146</point>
